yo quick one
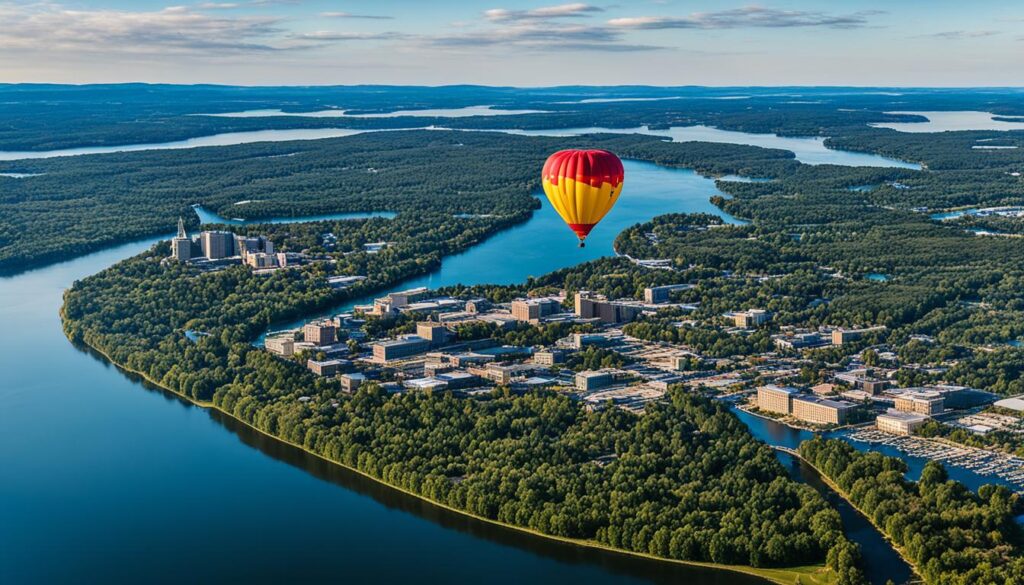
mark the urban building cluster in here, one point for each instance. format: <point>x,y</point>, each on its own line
<point>221,248</point>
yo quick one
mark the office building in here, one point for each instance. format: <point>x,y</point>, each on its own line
<point>926,403</point>
<point>351,382</point>
<point>777,399</point>
<point>900,423</point>
<point>261,260</point>
<point>591,306</point>
<point>841,336</point>
<point>245,245</point>
<point>435,333</point>
<point>216,245</point>
<point>327,367</point>
<point>320,332</point>
<point>533,310</point>
<point>477,305</point>
<point>750,318</point>
<point>549,357</point>
<point>820,411</point>
<point>594,379</point>
<point>399,348</point>
<point>655,295</point>
<point>282,346</point>
<point>798,341</point>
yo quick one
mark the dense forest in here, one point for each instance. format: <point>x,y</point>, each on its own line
<point>684,481</point>
<point>952,535</point>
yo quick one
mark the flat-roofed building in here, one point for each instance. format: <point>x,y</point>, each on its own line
<point>655,295</point>
<point>435,333</point>
<point>820,410</point>
<point>399,348</point>
<point>351,382</point>
<point>751,318</point>
<point>927,403</point>
<point>594,379</point>
<point>825,389</point>
<point>841,336</point>
<point>533,310</point>
<point>217,244</point>
<point>549,357</point>
<point>1015,403</point>
<point>327,367</point>
<point>798,340</point>
<point>282,346</point>
<point>900,423</point>
<point>591,306</point>
<point>320,332</point>
<point>457,380</point>
<point>777,399</point>
<point>261,260</point>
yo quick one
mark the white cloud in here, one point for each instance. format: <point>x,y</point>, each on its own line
<point>356,16</point>
<point>546,12</point>
<point>175,29</point>
<point>747,17</point>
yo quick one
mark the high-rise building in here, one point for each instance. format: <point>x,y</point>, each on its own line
<point>181,245</point>
<point>217,245</point>
<point>245,245</point>
<point>820,410</point>
<point>778,399</point>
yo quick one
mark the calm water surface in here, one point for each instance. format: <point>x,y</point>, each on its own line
<point>953,121</point>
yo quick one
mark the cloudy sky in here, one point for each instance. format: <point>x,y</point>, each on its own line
<point>515,42</point>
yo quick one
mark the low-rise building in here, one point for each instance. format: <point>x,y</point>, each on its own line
<point>399,348</point>
<point>799,340</point>
<point>435,333</point>
<point>549,357</point>
<point>926,403</point>
<point>320,332</point>
<point>327,367</point>
<point>533,310</point>
<point>594,379</point>
<point>351,382</point>
<point>591,306</point>
<point>777,399</point>
<point>283,346</point>
<point>750,318</point>
<point>655,295</point>
<point>900,423</point>
<point>821,411</point>
<point>841,336</point>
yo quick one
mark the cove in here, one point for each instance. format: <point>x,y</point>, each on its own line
<point>951,121</point>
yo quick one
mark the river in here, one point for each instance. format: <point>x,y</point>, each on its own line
<point>97,468</point>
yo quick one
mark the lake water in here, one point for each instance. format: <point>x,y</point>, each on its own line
<point>104,476</point>
<point>952,121</point>
<point>809,150</point>
<point>207,216</point>
<point>426,113</point>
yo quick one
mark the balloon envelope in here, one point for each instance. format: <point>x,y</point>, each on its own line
<point>582,186</point>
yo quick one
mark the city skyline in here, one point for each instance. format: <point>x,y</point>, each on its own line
<point>521,43</point>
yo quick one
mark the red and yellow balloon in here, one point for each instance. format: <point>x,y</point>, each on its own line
<point>582,186</point>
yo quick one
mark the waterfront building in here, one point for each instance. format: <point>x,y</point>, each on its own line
<point>900,423</point>
<point>750,318</point>
<point>217,244</point>
<point>821,411</point>
<point>398,348</point>
<point>181,245</point>
<point>591,306</point>
<point>655,295</point>
<point>594,379</point>
<point>320,332</point>
<point>351,382</point>
<point>533,310</point>
<point>927,403</point>
<point>777,399</point>
<point>282,346</point>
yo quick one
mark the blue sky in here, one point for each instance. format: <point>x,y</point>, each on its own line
<point>515,42</point>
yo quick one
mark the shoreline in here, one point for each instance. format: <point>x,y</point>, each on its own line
<point>846,497</point>
<point>781,576</point>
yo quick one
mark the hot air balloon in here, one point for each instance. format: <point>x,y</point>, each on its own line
<point>582,186</point>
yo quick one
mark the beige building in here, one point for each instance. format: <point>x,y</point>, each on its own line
<point>351,382</point>
<point>591,306</point>
<point>283,346</point>
<point>777,399</point>
<point>320,332</point>
<point>900,423</point>
<point>435,333</point>
<point>533,310</point>
<point>549,357</point>
<point>404,347</point>
<point>821,411</point>
<point>926,403</point>
<point>751,318</point>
